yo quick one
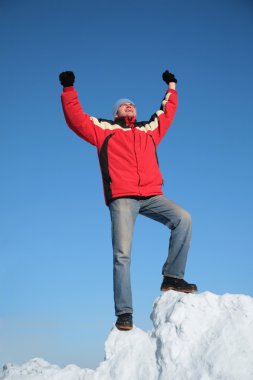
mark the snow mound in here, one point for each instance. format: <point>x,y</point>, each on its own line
<point>39,369</point>
<point>204,336</point>
<point>195,337</point>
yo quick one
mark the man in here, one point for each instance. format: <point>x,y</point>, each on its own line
<point>133,185</point>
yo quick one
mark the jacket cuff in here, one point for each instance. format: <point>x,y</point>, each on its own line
<point>172,91</point>
<point>67,89</point>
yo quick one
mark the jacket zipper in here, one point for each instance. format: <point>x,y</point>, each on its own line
<point>138,172</point>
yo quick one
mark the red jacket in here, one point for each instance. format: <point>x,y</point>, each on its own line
<point>126,148</point>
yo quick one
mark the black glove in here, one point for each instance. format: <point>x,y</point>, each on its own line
<point>169,77</point>
<point>67,78</point>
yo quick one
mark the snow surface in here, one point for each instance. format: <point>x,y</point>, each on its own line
<point>195,337</point>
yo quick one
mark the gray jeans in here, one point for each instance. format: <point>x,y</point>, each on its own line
<point>123,213</point>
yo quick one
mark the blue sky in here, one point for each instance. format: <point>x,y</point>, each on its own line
<point>56,262</point>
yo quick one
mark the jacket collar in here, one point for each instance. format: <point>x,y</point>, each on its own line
<point>126,122</point>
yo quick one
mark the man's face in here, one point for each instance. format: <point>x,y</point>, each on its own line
<point>126,110</point>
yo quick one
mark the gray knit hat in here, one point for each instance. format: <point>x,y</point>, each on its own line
<point>118,104</point>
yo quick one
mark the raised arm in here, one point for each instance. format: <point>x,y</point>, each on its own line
<point>162,119</point>
<point>80,122</point>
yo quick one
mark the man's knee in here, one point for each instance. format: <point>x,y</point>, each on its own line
<point>185,218</point>
<point>122,257</point>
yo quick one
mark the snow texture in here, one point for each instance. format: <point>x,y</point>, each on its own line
<point>195,337</point>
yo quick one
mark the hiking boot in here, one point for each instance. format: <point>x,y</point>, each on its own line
<point>124,322</point>
<point>180,285</point>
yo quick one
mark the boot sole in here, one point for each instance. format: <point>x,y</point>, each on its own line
<point>179,290</point>
<point>124,328</point>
